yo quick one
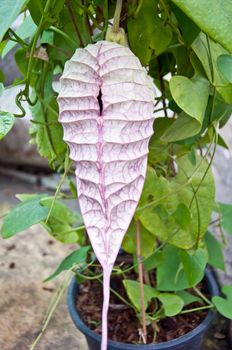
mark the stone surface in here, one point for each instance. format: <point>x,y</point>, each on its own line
<point>25,260</point>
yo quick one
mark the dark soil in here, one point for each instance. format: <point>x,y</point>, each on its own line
<point>123,325</point>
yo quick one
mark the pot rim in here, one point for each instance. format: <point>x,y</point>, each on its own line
<point>201,328</point>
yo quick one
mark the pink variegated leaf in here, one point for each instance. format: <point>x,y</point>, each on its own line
<point>106,109</point>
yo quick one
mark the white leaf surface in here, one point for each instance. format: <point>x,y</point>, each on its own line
<point>108,142</point>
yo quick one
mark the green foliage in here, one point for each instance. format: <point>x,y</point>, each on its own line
<point>194,264</point>
<point>63,224</point>
<point>213,18</point>
<point>154,37</point>
<point>203,47</point>
<point>45,131</point>
<point>172,304</point>
<point>180,269</point>
<point>188,298</point>
<point>224,63</point>
<point>170,274</point>
<point>188,28</point>
<point>182,216</point>
<point>215,253</point>
<point>36,8</point>
<point>154,260</point>
<point>133,292</point>
<point>225,211</point>
<point>24,31</point>
<point>224,305</point>
<point>178,210</point>
<point>191,96</point>
<point>6,123</point>
<point>23,216</point>
<point>9,10</point>
<point>77,257</point>
<point>147,241</point>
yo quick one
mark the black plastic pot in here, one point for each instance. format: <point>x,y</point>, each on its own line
<point>189,341</point>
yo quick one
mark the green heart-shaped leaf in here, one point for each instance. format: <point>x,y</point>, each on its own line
<point>194,263</point>
<point>191,95</point>
<point>133,292</point>
<point>172,303</point>
<point>224,305</point>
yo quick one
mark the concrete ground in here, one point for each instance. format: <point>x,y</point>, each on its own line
<point>25,260</point>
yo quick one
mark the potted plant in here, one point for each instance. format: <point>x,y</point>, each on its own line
<point>162,295</point>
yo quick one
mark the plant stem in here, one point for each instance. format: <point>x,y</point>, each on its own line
<point>70,10</point>
<point>52,307</point>
<point>17,38</point>
<point>140,270</point>
<point>29,69</point>
<point>161,109</point>
<point>58,190</point>
<point>162,86</point>
<point>120,297</point>
<point>203,297</point>
<point>58,31</point>
<point>117,15</point>
<point>89,13</point>
<point>197,309</point>
<point>106,15</point>
<point>209,54</point>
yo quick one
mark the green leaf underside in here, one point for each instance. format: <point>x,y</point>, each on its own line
<point>224,63</point>
<point>63,223</point>
<point>23,216</point>
<point>79,256</point>
<point>188,298</point>
<point>9,10</point>
<point>6,123</point>
<point>24,31</point>
<point>48,138</point>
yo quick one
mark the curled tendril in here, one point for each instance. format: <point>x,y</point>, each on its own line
<point>18,99</point>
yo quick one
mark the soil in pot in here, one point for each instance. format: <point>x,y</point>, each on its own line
<point>123,325</point>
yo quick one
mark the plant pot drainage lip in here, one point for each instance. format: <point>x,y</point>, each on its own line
<point>201,328</point>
